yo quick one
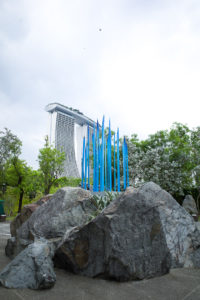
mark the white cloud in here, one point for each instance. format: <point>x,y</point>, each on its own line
<point>137,62</point>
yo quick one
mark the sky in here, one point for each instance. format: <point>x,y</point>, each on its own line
<point>135,61</point>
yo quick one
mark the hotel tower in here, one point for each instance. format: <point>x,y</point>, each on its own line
<point>68,126</point>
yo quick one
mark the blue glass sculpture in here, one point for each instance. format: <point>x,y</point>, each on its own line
<point>105,177</point>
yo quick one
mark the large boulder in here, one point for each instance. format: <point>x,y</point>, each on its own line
<point>32,268</point>
<point>26,212</point>
<point>67,208</point>
<point>141,234</point>
<point>190,205</point>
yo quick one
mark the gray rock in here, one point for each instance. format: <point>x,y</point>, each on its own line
<point>198,225</point>
<point>32,268</point>
<point>67,208</point>
<point>190,205</point>
<point>141,234</point>
<point>26,212</point>
<point>181,232</point>
<point>195,257</point>
<point>9,249</point>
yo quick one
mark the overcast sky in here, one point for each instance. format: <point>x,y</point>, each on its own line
<point>136,61</point>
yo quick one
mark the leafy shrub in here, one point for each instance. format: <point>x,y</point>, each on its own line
<point>102,201</point>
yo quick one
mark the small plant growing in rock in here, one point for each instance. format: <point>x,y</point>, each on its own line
<point>102,201</point>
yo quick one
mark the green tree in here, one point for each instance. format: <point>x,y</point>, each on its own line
<point>16,176</point>
<point>14,172</point>
<point>165,158</point>
<point>10,148</point>
<point>195,141</point>
<point>25,180</point>
<point>51,162</point>
<point>33,183</point>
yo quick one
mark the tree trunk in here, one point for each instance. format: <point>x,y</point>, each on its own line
<point>21,195</point>
<point>47,189</point>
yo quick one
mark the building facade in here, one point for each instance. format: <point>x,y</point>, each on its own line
<point>68,126</point>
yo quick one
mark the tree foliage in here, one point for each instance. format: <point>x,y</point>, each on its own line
<point>10,145</point>
<point>10,148</point>
<point>16,176</point>
<point>14,172</point>
<point>51,162</point>
<point>169,158</point>
<point>25,180</point>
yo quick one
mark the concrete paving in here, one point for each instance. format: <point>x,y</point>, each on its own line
<point>180,284</point>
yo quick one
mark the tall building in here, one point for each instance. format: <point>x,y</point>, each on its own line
<point>68,126</point>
